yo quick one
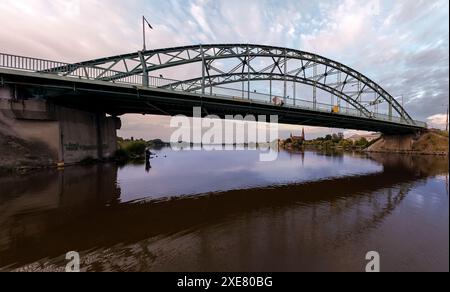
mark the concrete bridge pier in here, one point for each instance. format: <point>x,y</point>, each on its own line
<point>70,135</point>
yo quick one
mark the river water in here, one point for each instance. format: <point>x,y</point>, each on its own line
<point>227,211</point>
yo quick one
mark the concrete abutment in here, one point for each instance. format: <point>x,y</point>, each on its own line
<point>71,135</point>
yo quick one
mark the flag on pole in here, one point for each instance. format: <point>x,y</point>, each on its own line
<point>144,21</point>
<point>148,23</point>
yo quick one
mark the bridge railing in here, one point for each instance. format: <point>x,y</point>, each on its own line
<point>98,73</point>
<point>27,63</point>
<point>303,104</point>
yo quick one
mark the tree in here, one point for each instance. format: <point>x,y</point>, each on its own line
<point>346,144</point>
<point>328,144</point>
<point>336,138</point>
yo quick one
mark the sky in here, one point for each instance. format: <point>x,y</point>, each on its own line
<point>402,45</point>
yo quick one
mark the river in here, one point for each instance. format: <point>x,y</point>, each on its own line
<point>227,211</point>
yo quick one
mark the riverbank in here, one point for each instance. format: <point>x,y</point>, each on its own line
<point>23,156</point>
<point>335,141</point>
<point>433,142</point>
<point>19,156</point>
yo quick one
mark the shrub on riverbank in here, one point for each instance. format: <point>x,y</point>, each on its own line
<point>362,143</point>
<point>130,149</point>
<point>338,141</point>
<point>345,144</point>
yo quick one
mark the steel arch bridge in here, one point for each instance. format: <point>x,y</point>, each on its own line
<point>143,63</point>
<point>244,63</point>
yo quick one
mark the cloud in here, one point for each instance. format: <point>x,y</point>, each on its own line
<point>343,26</point>
<point>438,121</point>
<point>402,45</point>
<point>198,14</point>
<point>71,30</point>
<point>152,127</point>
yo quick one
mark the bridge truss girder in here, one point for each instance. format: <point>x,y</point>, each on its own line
<point>123,67</point>
<point>211,81</point>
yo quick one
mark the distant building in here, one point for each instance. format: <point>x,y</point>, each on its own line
<point>299,139</point>
<point>368,137</point>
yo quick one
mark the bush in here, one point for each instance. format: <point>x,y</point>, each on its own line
<point>346,144</point>
<point>130,149</point>
<point>363,143</point>
<point>136,148</point>
<point>328,144</point>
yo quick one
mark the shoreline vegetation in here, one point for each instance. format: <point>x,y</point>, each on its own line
<point>433,142</point>
<point>331,141</point>
<point>129,150</point>
<point>20,157</point>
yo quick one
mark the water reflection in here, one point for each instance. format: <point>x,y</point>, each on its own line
<point>308,211</point>
<point>197,172</point>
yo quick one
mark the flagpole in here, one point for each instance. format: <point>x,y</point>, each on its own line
<point>143,32</point>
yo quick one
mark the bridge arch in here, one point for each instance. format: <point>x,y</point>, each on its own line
<point>195,84</point>
<point>139,65</point>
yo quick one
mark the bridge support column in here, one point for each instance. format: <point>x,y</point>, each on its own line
<point>69,135</point>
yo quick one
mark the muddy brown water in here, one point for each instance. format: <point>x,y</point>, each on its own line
<point>227,211</point>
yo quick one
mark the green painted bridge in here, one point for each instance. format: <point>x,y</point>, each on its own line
<point>224,79</point>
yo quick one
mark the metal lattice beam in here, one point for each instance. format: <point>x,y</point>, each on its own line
<point>121,67</point>
<point>217,80</point>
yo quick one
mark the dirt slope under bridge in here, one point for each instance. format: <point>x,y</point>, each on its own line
<point>17,154</point>
<point>433,142</point>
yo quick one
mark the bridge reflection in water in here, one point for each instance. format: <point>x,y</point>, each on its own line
<point>319,225</point>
